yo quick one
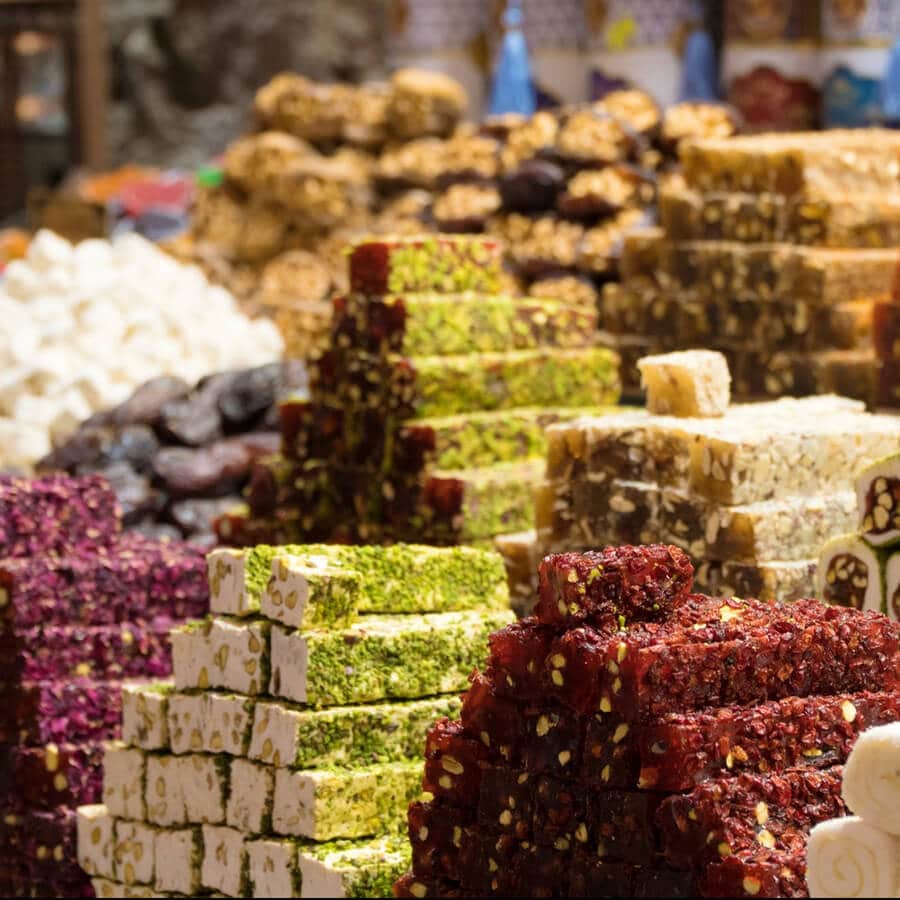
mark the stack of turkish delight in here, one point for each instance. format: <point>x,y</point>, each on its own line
<point>862,569</point>
<point>82,607</point>
<point>280,761</point>
<point>751,491</point>
<point>428,409</point>
<point>633,739</point>
<point>775,250</point>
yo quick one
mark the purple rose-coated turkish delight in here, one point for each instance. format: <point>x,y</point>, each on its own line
<point>55,514</point>
<point>51,776</point>
<point>79,709</point>
<point>134,578</point>
<point>103,651</point>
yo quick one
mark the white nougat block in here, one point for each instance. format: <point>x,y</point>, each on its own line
<point>144,721</point>
<point>191,658</point>
<point>134,853</point>
<point>204,786</point>
<point>250,797</point>
<point>104,887</point>
<point>274,871</point>
<point>186,722</point>
<point>227,580</point>
<point>95,832</point>
<point>228,719</point>
<point>165,795</point>
<point>124,769</point>
<point>224,861</point>
<point>179,856</point>
<point>290,656</point>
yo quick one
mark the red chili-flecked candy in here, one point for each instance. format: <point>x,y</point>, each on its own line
<point>607,586</point>
<point>735,815</point>
<point>762,873</point>
<point>496,720</point>
<point>560,811</point>
<point>44,712</point>
<point>554,738</point>
<point>56,514</point>
<point>517,658</point>
<point>483,858</point>
<point>410,885</point>
<point>684,749</point>
<point>609,758</point>
<point>454,763</point>
<point>506,801</point>
<point>621,825</point>
<point>435,835</point>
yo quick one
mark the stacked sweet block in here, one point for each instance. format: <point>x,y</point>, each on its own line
<point>281,759</point>
<point>82,607</point>
<point>428,409</point>
<point>859,855</point>
<point>751,494</point>
<point>632,739</point>
<point>886,326</point>
<point>775,250</point>
<point>862,569</point>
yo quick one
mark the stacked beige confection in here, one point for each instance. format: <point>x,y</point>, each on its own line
<point>281,760</point>
<point>330,164</point>
<point>774,250</point>
<point>751,491</point>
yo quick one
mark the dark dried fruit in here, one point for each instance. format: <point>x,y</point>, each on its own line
<point>247,396</point>
<point>217,468</point>
<point>532,186</point>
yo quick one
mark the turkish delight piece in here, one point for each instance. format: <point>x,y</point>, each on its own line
<point>103,887</point>
<point>892,586</point>
<point>380,657</point>
<point>516,661</point>
<point>224,867</point>
<point>560,812</point>
<point>145,715</point>
<point>878,492</point>
<point>250,797</point>
<point>322,804</point>
<point>794,527</point>
<point>521,556</point>
<point>454,763</point>
<point>418,325</point>
<point>760,873</point>
<point>303,593</point>
<point>186,721</point>
<point>178,855</point>
<point>681,750</point>
<point>636,583</point>
<point>124,772</point>
<point>43,712</point>
<point>133,578</point>
<point>734,815</point>
<point>497,721</point>
<point>273,869</point>
<point>435,835</point>
<point>96,841</point>
<point>56,514</point>
<point>210,723</point>
<point>403,578</point>
<point>553,740</point>
<point>204,782</point>
<point>886,329</point>
<point>776,580</point>
<point>471,504</point>
<point>54,775</point>
<point>224,653</point>
<point>299,738</point>
<point>689,383</point>
<point>482,858</point>
<point>850,573</point>
<point>418,265</point>
<point>352,869</point>
<point>410,885</point>
<point>134,854</point>
<point>620,825</point>
<point>430,386</point>
<point>106,652</point>
<point>162,792</point>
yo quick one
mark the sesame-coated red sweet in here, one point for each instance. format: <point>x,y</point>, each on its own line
<point>613,587</point>
<point>734,815</point>
<point>454,763</point>
<point>684,749</point>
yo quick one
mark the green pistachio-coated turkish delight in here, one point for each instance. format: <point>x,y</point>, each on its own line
<point>294,737</point>
<point>381,657</point>
<point>445,265</point>
<point>404,578</point>
<point>353,869</point>
<point>322,804</point>
<point>417,325</point>
<point>472,440</point>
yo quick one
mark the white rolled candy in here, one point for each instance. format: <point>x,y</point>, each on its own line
<point>872,778</point>
<point>850,858</point>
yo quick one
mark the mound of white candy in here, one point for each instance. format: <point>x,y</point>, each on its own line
<point>82,326</point>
